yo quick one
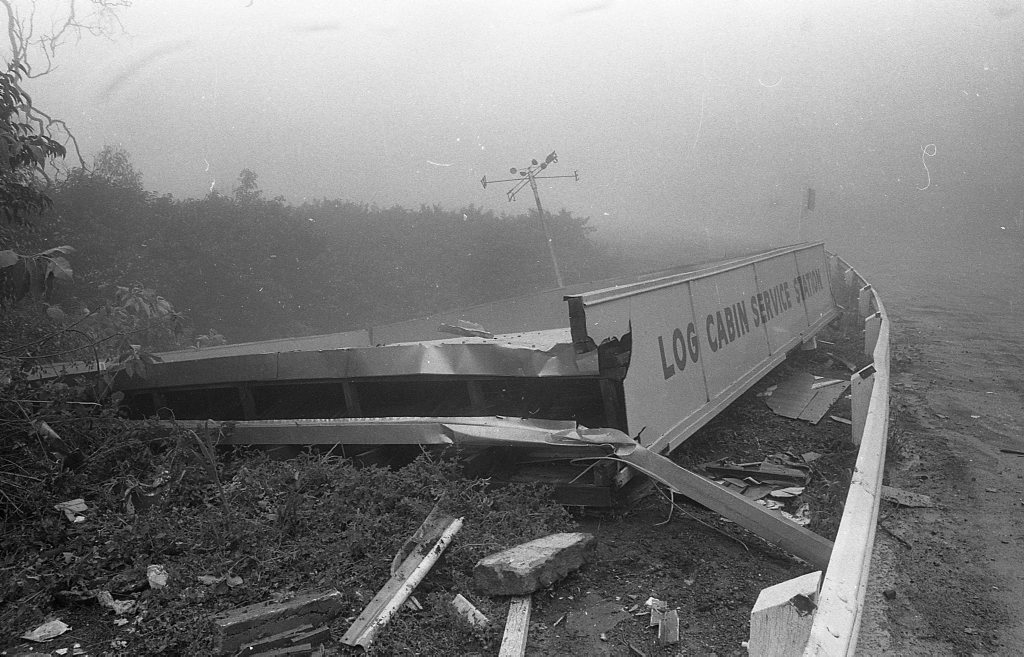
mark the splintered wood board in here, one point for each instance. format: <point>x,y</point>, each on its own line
<point>796,398</point>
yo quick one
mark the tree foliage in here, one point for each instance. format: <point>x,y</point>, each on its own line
<point>254,267</point>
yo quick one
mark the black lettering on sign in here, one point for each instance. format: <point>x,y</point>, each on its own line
<point>682,346</point>
<point>712,340</point>
<point>694,343</point>
<point>679,349</point>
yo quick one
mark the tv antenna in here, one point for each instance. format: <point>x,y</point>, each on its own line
<point>529,176</point>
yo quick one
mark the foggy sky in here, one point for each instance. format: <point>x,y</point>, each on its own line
<point>691,119</point>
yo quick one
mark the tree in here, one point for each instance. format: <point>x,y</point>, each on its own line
<point>25,151</point>
<point>31,139</point>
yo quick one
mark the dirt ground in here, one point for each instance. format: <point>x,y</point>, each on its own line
<point>953,572</point>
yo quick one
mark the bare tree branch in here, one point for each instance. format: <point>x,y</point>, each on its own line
<point>35,52</point>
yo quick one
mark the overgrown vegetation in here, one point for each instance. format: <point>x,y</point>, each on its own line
<point>230,531</point>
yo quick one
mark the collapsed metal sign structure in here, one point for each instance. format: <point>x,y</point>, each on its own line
<point>612,376</point>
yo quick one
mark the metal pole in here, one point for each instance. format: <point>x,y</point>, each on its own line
<point>547,230</point>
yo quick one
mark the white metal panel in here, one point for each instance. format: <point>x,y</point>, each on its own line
<point>732,341</point>
<point>813,289</point>
<point>665,383</point>
<point>775,306</point>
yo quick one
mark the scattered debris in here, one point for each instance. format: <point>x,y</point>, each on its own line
<point>404,580</point>
<point>426,534</point>
<point>906,498</point>
<point>798,398</point>
<point>783,493</point>
<point>299,640</point>
<point>668,628</point>
<point>470,613</point>
<point>757,491</point>
<point>841,420</point>
<point>72,508</point>
<point>847,363</point>
<point>1015,452</point>
<point>119,607</point>
<point>810,457</point>
<point>47,631</point>
<point>658,608</point>
<point>777,468</point>
<point>527,567</point>
<point>248,625</point>
<point>802,516</point>
<point>517,627</point>
<point>157,576</point>
<point>890,594</point>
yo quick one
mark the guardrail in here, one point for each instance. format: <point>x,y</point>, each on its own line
<point>820,613</point>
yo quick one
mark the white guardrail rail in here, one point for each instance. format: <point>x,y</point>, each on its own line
<point>782,622</point>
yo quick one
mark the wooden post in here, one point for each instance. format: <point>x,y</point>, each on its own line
<point>780,622</point>
<point>861,384</point>
<point>872,325</point>
<point>864,299</point>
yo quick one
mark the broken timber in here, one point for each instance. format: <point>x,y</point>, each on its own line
<point>517,627</point>
<point>745,512</point>
<point>403,582</point>
<point>275,622</point>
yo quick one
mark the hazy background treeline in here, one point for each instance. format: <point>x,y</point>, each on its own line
<point>252,267</point>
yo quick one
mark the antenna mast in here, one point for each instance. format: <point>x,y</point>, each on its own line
<point>528,176</point>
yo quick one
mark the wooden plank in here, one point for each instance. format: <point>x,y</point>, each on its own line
<point>396,591</point>
<point>822,401</point>
<point>236,627</point>
<point>778,624</point>
<point>517,627</point>
<point>861,386</point>
<point>872,325</point>
<point>841,601</point>
<point>745,512</point>
<point>668,628</point>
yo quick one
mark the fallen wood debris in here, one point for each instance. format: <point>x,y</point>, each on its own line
<point>745,512</point>
<point>531,566</point>
<point>300,639</point>
<point>668,628</point>
<point>466,610</point>
<point>778,469</point>
<point>658,609</point>
<point>902,497</point>
<point>841,420</point>
<point>247,625</point>
<point>804,396</point>
<point>517,627</point>
<point>403,582</point>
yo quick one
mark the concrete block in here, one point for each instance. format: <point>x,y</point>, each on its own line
<point>237,627</point>
<point>528,567</point>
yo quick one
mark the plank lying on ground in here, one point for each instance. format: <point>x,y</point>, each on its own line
<point>401,585</point>
<point>668,628</point>
<point>304,635</point>
<point>247,625</point>
<point>745,512</point>
<point>517,627</point>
